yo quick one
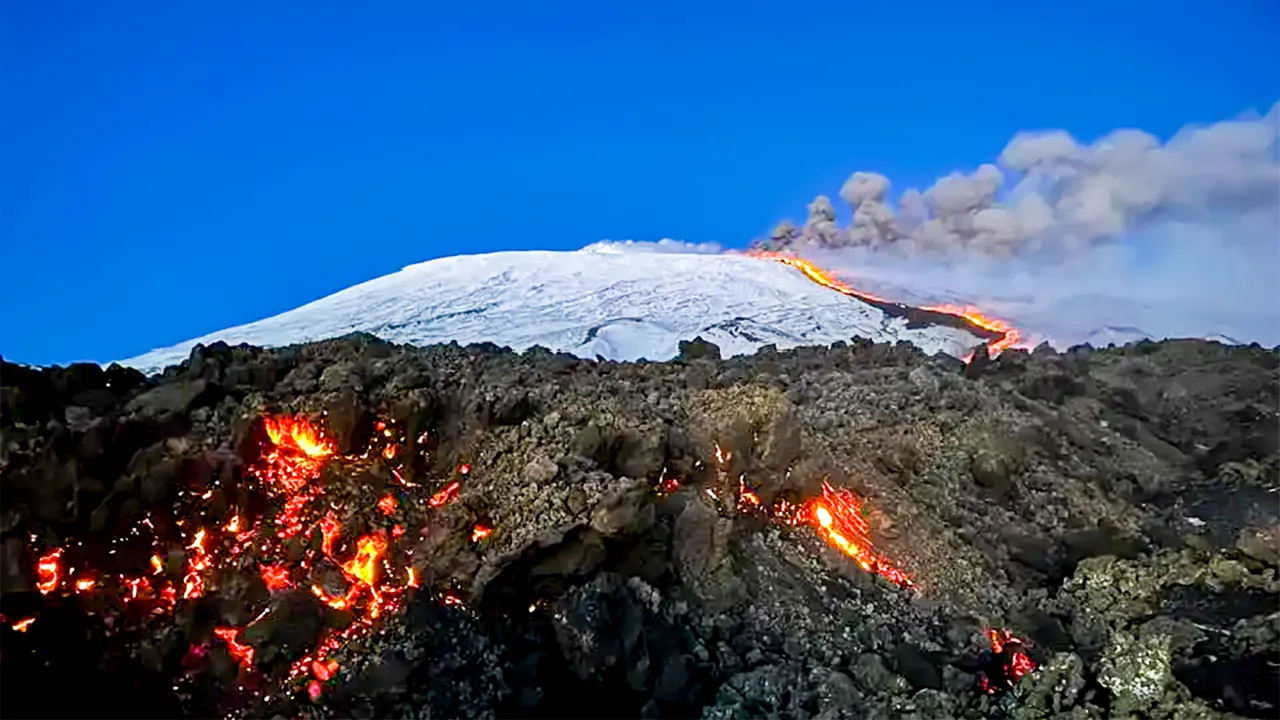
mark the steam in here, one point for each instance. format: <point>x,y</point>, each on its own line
<point>1055,196</point>
<point>1112,241</point>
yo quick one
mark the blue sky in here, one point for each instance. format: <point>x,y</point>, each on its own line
<point>170,169</point>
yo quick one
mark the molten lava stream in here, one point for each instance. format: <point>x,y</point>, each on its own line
<point>1012,336</point>
<point>837,516</point>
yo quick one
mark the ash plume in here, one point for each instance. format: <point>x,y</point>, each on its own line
<point>1126,234</point>
<point>1052,194</point>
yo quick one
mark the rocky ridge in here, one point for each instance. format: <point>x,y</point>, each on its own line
<point>1115,508</point>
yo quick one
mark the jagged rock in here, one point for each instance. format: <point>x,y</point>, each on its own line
<point>1136,671</point>
<point>1262,544</point>
<point>540,470</point>
<point>178,397</point>
<point>349,420</point>
<point>698,349</point>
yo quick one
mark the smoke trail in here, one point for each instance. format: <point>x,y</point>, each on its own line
<point>1058,196</point>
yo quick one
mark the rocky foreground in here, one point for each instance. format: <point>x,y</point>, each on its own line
<point>481,533</point>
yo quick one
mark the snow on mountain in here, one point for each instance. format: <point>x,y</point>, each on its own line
<point>597,301</point>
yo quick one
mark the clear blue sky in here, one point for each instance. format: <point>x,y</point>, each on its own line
<point>168,169</point>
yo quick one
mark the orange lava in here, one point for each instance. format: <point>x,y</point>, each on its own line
<point>387,505</point>
<point>49,570</point>
<point>837,516</point>
<point>1012,336</point>
<point>480,532</point>
<point>297,433</point>
<point>447,495</point>
<point>276,577</point>
<point>364,565</point>
<point>242,653</point>
<point>667,484</point>
<point>1014,661</point>
<point>287,543</point>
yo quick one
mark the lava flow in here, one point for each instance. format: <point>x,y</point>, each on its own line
<point>836,516</point>
<point>1011,336</point>
<point>296,543</point>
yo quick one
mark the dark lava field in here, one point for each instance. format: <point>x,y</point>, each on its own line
<point>358,529</point>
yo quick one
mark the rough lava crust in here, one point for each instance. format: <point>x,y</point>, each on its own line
<point>1087,534</point>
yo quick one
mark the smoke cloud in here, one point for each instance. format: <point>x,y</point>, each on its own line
<point>1123,238</point>
<point>1051,194</point>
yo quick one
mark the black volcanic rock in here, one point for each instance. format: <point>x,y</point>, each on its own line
<point>1115,508</point>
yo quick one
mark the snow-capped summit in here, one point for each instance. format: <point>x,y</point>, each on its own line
<point>620,305</point>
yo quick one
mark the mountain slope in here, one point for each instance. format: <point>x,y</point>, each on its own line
<point>622,306</point>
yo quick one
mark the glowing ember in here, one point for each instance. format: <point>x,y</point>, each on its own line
<point>1013,662</point>
<point>338,602</point>
<point>1011,336</point>
<point>242,653</point>
<point>387,505</point>
<point>197,563</point>
<point>22,625</point>
<point>447,495</point>
<point>85,584</point>
<point>329,531</point>
<point>479,532</point>
<point>276,577</point>
<point>156,566</point>
<point>298,434</point>
<point>49,570</point>
<point>722,456</point>
<point>136,587</point>
<point>412,580</point>
<point>389,452</point>
<point>464,469</point>
<point>369,549</point>
<point>667,484</point>
<point>324,670</point>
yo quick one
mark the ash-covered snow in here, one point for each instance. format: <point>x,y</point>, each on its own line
<point>615,304</point>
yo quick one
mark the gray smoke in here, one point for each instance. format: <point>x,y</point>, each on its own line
<point>1052,194</point>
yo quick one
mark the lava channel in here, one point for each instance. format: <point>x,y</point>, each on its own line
<point>1003,335</point>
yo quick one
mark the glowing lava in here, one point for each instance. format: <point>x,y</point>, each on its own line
<point>288,543</point>
<point>242,653</point>
<point>297,433</point>
<point>1012,336</point>
<point>49,570</point>
<point>837,516</point>
<point>1013,662</point>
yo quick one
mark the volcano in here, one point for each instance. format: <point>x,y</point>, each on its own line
<point>615,305</point>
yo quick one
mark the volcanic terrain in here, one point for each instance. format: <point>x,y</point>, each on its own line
<point>354,528</point>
